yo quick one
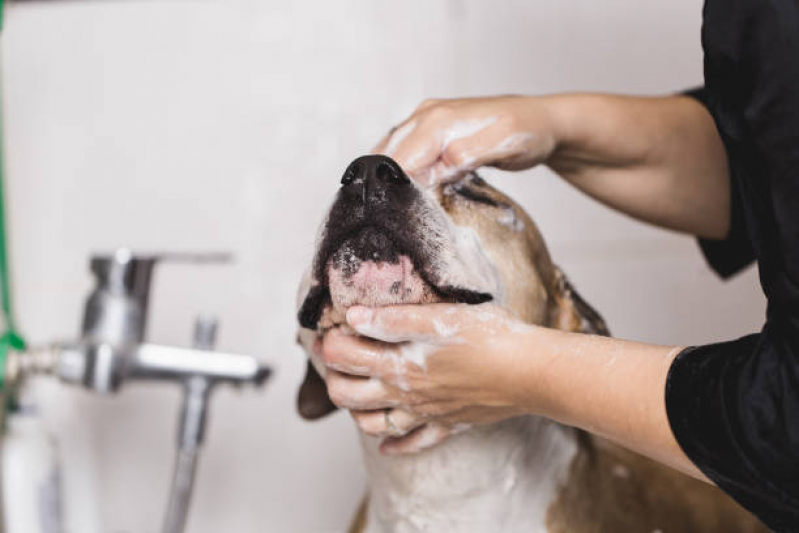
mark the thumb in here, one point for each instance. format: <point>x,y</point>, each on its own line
<point>398,323</point>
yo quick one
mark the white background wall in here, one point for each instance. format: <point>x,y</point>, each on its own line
<point>225,125</point>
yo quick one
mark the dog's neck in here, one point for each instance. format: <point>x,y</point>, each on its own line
<point>498,478</point>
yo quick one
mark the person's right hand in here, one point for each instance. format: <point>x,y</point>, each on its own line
<point>444,139</point>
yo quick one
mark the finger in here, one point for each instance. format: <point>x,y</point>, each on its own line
<point>401,323</point>
<point>351,392</point>
<point>490,146</point>
<point>354,355</point>
<point>420,147</point>
<point>395,137</point>
<point>389,143</point>
<point>430,102</point>
<point>380,148</point>
<point>420,439</point>
<point>485,146</point>
<point>357,356</point>
<point>374,423</point>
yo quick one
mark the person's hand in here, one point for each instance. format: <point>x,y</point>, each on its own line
<point>425,371</point>
<point>444,139</point>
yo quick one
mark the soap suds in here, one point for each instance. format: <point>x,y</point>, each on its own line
<point>509,219</point>
<point>413,161</point>
<point>464,128</point>
<point>374,386</point>
<point>416,353</point>
<point>399,370</point>
<point>444,331</point>
<point>512,143</point>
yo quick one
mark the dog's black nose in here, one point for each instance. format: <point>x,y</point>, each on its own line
<point>372,178</point>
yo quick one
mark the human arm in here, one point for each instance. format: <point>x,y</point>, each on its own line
<point>658,159</point>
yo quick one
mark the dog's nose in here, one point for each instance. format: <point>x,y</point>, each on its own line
<point>372,178</point>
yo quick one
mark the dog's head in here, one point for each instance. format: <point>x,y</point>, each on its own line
<point>386,241</point>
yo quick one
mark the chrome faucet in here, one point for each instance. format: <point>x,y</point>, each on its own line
<point>112,350</point>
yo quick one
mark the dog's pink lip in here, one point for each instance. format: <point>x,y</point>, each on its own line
<point>382,275</point>
<point>377,283</point>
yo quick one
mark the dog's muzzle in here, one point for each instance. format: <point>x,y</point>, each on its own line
<point>382,244</point>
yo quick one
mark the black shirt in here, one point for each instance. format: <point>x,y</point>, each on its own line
<point>734,406</point>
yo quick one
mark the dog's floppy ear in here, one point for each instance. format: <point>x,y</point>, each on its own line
<point>570,312</point>
<point>312,305</point>
<point>313,402</point>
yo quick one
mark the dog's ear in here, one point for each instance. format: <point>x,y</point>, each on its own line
<point>312,305</point>
<point>313,402</point>
<point>569,312</point>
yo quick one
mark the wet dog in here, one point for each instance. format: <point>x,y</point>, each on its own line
<point>388,241</point>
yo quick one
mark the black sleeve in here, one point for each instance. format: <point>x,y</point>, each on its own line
<point>734,406</point>
<point>732,254</point>
<point>732,411</point>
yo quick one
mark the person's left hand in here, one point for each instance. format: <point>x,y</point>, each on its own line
<point>419,373</point>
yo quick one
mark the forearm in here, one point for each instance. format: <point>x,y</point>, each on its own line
<point>610,387</point>
<point>660,160</point>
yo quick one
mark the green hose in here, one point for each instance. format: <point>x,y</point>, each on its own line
<point>10,339</point>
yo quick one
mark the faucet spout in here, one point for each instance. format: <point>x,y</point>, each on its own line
<point>155,361</point>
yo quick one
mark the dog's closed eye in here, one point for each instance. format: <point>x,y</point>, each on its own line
<point>478,197</point>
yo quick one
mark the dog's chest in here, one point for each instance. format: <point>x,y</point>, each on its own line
<point>499,478</point>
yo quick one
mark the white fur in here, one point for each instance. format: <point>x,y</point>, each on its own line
<point>500,478</point>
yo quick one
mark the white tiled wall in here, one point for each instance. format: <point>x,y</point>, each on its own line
<point>225,125</point>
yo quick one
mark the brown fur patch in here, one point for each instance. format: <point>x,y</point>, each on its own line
<point>611,489</point>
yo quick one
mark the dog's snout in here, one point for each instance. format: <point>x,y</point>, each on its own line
<point>371,177</point>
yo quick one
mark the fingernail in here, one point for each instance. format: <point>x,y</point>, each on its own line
<point>358,316</point>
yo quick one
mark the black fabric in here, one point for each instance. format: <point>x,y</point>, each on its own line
<point>731,255</point>
<point>734,406</point>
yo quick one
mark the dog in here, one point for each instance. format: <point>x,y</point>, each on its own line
<point>385,241</point>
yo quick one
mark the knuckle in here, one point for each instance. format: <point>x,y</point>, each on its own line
<point>367,423</point>
<point>369,429</point>
<point>411,400</point>
<point>428,102</point>
<point>328,347</point>
<point>457,155</point>
<point>363,424</point>
<point>438,112</point>
<point>335,389</point>
<point>333,348</point>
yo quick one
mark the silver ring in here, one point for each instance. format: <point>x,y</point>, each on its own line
<point>393,430</point>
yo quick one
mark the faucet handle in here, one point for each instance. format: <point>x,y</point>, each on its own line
<point>194,257</point>
<point>205,328</point>
<point>116,310</point>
